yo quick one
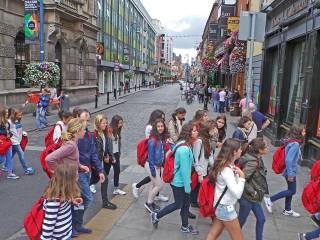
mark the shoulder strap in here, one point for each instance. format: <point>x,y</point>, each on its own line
<point>221,196</point>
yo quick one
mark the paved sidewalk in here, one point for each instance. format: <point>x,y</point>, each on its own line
<point>132,221</point>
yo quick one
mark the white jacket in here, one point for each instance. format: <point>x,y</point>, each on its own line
<point>200,162</point>
<point>57,131</point>
<point>235,187</point>
<point>16,133</point>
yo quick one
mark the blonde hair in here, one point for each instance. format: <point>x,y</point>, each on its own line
<point>63,185</point>
<point>75,125</point>
<point>97,122</point>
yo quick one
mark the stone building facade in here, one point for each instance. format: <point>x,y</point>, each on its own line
<point>70,41</point>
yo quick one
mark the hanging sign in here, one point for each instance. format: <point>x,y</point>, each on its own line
<point>31,21</point>
<point>233,23</point>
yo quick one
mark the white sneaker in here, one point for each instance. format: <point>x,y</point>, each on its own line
<point>161,198</point>
<point>135,190</point>
<point>118,191</point>
<point>268,204</point>
<point>291,213</point>
<point>93,188</point>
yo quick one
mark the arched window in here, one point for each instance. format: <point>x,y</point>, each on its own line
<point>22,58</point>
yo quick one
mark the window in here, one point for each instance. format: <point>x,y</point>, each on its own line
<point>274,78</point>
<point>22,58</point>
<point>296,84</point>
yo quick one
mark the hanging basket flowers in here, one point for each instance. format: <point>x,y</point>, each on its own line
<point>209,64</point>
<point>238,57</point>
<point>225,68</point>
<point>42,74</point>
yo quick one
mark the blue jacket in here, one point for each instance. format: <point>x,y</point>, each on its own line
<point>155,155</point>
<point>239,135</point>
<point>88,153</point>
<point>44,101</point>
<point>293,154</point>
<point>3,130</point>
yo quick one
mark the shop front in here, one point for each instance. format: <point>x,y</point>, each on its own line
<point>290,86</point>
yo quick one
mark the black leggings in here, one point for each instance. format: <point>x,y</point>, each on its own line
<point>116,169</point>
<point>144,181</point>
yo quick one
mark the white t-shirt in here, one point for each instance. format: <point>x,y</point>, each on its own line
<point>148,131</point>
<point>57,131</point>
<point>115,145</point>
<point>222,96</point>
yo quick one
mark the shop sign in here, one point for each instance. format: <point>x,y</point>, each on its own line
<point>290,11</point>
<point>318,127</point>
<point>233,23</point>
<point>116,66</point>
<point>100,48</point>
<point>225,12</point>
<point>31,21</point>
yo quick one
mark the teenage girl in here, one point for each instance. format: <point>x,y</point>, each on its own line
<point>200,116</point>
<point>241,132</point>
<point>175,125</point>
<point>222,129</point>
<point>62,125</point>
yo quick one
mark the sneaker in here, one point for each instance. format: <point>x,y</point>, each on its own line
<point>74,233</point>
<point>93,188</point>
<point>268,204</point>
<point>189,229</point>
<point>135,190</point>
<point>118,191</point>
<point>152,207</point>
<point>154,219</point>
<point>12,176</point>
<point>83,230</point>
<point>291,213</point>
<point>109,205</point>
<point>4,169</point>
<point>161,198</point>
<point>301,236</point>
<point>315,221</point>
<point>29,171</point>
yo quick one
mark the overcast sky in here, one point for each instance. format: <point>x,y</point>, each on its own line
<point>181,17</point>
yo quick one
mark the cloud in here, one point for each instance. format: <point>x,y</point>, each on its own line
<point>179,26</point>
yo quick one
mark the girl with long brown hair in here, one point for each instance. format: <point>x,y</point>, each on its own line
<point>229,184</point>
<point>62,190</point>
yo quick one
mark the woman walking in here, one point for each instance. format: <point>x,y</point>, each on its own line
<point>256,184</point>
<point>62,125</point>
<point>229,184</point>
<point>181,181</point>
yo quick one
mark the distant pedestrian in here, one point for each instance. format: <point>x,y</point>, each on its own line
<point>222,100</point>
<point>227,99</point>
<point>42,108</point>
<point>256,185</point>
<point>61,192</point>
<point>62,125</point>
<point>259,119</point>
<point>201,93</point>
<point>243,103</point>
<point>216,99</point>
<point>181,181</point>
<point>210,92</point>
<point>294,138</point>
<point>229,184</point>
<point>222,129</point>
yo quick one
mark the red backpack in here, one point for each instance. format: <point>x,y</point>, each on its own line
<point>315,171</point>
<point>48,140</point>
<point>168,169</point>
<point>311,197</point>
<point>206,198</point>
<point>33,220</point>
<point>279,159</point>
<point>44,154</point>
<point>142,152</point>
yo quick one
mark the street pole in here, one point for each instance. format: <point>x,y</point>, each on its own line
<point>249,78</point>
<point>41,31</point>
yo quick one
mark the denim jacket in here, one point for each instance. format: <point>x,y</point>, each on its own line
<point>240,135</point>
<point>44,101</point>
<point>293,154</point>
<point>155,155</point>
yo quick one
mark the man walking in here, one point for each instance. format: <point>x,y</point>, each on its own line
<point>259,119</point>
<point>222,100</point>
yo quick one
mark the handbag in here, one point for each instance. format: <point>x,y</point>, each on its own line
<point>5,144</point>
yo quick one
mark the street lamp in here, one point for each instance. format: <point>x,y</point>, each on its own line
<point>41,31</point>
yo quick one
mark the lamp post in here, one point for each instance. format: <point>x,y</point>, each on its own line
<point>41,31</point>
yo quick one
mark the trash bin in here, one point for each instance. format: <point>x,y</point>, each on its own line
<point>65,103</point>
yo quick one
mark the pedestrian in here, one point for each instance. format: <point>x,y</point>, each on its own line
<point>243,103</point>
<point>315,234</point>
<point>62,125</point>
<point>252,131</point>
<point>229,184</point>
<point>214,138</point>
<point>15,128</point>
<point>42,108</point>
<point>157,148</point>
<point>89,158</point>
<point>200,116</point>
<point>222,129</point>
<point>227,99</point>
<point>216,99</point>
<point>62,191</point>
<point>201,93</point>
<point>256,185</point>
<point>222,100</point>
<point>5,135</point>
<point>209,92</point>
<point>202,153</point>
<point>175,125</point>
<point>156,114</point>
<point>114,141</point>
<point>181,182</point>
<point>241,132</point>
<point>259,119</point>
<point>292,142</point>
<point>101,141</point>
<point>69,150</point>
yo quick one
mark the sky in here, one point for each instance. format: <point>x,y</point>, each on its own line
<point>181,17</point>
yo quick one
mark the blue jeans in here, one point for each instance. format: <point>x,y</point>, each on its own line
<point>287,194</point>
<point>181,201</point>
<point>216,106</point>
<point>7,160</point>
<point>245,208</point>
<point>41,118</point>
<point>313,235</point>
<point>17,149</point>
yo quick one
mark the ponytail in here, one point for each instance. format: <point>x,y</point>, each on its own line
<point>74,126</point>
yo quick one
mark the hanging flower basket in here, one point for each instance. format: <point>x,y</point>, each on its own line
<point>42,74</point>
<point>129,74</point>
<point>225,68</point>
<point>237,59</point>
<point>209,64</point>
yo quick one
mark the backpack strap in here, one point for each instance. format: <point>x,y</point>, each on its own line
<point>221,196</point>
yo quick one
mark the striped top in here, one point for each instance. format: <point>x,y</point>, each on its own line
<point>57,223</point>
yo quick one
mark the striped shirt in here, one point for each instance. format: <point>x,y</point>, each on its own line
<point>57,223</point>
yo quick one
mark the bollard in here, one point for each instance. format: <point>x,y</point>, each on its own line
<point>120,91</point>
<point>139,86</point>
<point>108,98</point>
<point>135,87</point>
<point>115,93</point>
<point>96,101</point>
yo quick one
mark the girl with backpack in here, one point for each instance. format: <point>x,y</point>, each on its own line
<point>229,184</point>
<point>292,157</point>
<point>62,125</point>
<point>256,185</point>
<point>175,125</point>
<point>241,132</point>
<point>181,181</point>
<point>6,146</point>
<point>101,141</point>
<point>222,129</point>
<point>114,144</point>
<point>62,191</point>
<point>156,114</point>
<point>14,121</point>
<point>157,147</point>
<point>200,116</point>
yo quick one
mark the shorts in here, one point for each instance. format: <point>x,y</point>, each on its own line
<point>226,213</point>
